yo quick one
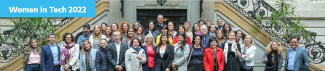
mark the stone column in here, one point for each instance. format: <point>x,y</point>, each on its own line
<point>208,11</point>
<point>115,14</point>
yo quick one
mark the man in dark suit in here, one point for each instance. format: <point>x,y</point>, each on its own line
<point>116,53</point>
<point>160,19</point>
<point>50,57</point>
<point>297,57</point>
<point>205,37</point>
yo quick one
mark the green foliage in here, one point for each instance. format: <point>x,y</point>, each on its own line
<point>29,28</point>
<point>279,20</point>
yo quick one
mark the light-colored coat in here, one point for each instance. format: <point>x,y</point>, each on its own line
<point>251,52</point>
<point>180,57</point>
<point>74,59</point>
<point>83,62</point>
<point>132,63</point>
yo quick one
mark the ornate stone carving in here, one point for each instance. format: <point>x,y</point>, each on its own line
<point>151,3</point>
<point>171,3</point>
<point>168,3</point>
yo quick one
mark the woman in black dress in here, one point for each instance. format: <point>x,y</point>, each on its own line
<point>164,54</point>
<point>231,51</point>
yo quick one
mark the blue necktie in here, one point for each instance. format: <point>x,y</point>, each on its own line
<point>204,41</point>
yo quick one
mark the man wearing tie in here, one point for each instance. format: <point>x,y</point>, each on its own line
<point>205,36</point>
<point>50,55</point>
<point>160,19</point>
<point>116,53</point>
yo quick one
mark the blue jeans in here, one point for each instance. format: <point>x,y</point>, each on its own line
<point>57,68</point>
<point>32,67</point>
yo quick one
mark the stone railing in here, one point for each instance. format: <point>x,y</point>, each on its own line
<point>252,9</point>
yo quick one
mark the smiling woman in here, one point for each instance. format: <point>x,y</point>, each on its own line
<point>23,10</point>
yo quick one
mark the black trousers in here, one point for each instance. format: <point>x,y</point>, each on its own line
<point>248,69</point>
<point>195,67</point>
<point>289,70</point>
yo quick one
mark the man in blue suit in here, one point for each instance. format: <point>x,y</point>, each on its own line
<point>297,57</point>
<point>50,58</point>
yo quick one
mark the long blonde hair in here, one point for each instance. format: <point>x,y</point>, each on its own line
<point>252,41</point>
<point>153,40</point>
<point>83,46</point>
<point>269,47</point>
<point>99,36</point>
<point>187,22</point>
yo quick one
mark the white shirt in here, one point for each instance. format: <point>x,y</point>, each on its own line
<point>118,51</point>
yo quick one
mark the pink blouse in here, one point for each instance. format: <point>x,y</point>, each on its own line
<point>34,58</point>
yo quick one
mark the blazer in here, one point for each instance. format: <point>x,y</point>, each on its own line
<point>165,61</point>
<point>47,59</point>
<point>280,59</point>
<point>83,61</point>
<point>251,52</point>
<point>112,55</point>
<point>301,58</point>
<point>207,37</point>
<point>208,59</point>
<point>101,60</point>
<point>180,57</point>
<point>158,26</point>
<point>74,58</point>
<point>91,39</point>
<point>132,63</point>
<point>146,65</point>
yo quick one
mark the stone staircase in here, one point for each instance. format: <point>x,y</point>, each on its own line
<point>265,10</point>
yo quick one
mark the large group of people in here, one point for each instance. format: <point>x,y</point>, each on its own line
<point>207,47</point>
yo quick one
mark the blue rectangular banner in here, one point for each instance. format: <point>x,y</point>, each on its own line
<point>48,8</point>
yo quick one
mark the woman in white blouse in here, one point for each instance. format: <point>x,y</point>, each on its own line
<point>248,53</point>
<point>95,37</point>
